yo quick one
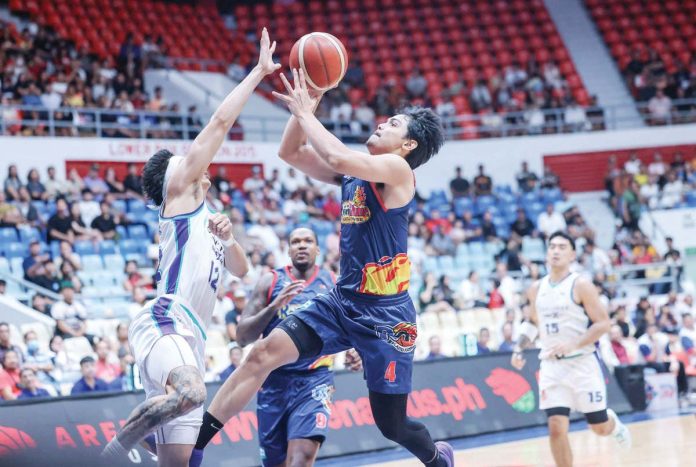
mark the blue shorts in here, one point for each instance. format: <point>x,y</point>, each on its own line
<point>381,328</point>
<point>292,407</point>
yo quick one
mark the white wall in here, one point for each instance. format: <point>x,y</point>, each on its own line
<point>501,157</point>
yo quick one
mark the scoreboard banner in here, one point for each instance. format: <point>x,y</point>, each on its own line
<point>452,397</point>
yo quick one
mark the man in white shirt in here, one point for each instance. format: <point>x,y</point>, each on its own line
<point>672,191</point>
<point>265,233</point>
<point>599,260</point>
<point>70,315</point>
<point>470,292</point>
<point>54,187</point>
<point>650,191</point>
<point>550,221</point>
<point>255,182</point>
<point>51,99</point>
<point>632,166</point>
<point>291,182</point>
<point>657,166</point>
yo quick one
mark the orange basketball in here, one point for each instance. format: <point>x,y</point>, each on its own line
<point>323,59</point>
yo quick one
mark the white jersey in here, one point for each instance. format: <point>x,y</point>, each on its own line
<point>191,261</point>
<point>561,320</point>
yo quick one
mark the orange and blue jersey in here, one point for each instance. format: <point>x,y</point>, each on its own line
<point>320,282</point>
<point>374,239</point>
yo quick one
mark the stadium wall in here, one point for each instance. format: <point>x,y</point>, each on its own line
<point>454,397</point>
<point>501,156</point>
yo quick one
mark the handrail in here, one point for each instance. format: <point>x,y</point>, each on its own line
<point>142,122</point>
<point>30,285</point>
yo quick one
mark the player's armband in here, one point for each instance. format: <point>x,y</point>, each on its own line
<point>529,330</point>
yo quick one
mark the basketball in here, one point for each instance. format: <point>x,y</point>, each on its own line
<point>322,57</point>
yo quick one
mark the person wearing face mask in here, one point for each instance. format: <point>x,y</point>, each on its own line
<point>37,359</point>
<point>30,385</point>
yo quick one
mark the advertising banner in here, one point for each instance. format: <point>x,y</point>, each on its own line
<point>453,397</point>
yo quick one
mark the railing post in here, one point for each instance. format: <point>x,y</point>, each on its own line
<point>141,124</point>
<point>98,123</point>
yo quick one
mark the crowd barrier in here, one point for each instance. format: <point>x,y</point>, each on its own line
<point>453,397</point>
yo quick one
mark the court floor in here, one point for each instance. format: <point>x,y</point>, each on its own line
<point>665,440</point>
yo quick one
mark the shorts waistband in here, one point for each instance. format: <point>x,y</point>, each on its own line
<point>368,299</point>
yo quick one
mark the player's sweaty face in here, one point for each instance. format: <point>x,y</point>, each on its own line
<point>303,248</point>
<point>559,252</point>
<point>389,136</point>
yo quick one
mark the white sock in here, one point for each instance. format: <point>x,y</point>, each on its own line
<point>617,422</point>
<point>114,449</point>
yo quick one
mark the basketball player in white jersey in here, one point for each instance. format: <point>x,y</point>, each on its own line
<point>570,319</point>
<point>168,335</point>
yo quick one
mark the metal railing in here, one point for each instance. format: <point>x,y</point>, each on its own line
<point>635,275</point>
<point>175,125</point>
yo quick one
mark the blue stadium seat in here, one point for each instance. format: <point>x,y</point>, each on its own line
<point>691,198</point>
<point>533,249</point>
<point>92,263</point>
<point>136,206</point>
<point>104,279</point>
<point>139,258</point>
<point>14,250</point>
<point>40,207</point>
<point>50,208</point>
<point>55,248</point>
<point>461,205</point>
<point>17,265</point>
<point>430,264</point>
<point>446,262</point>
<point>462,250</point>
<point>138,232</point>
<point>122,232</point>
<point>114,262</point>
<point>529,198</point>
<point>86,277</point>
<point>119,206</point>
<point>107,247</point>
<point>8,234</point>
<point>552,195</point>
<point>84,247</point>
<point>476,249</point>
<point>27,234</point>
<point>5,266</point>
<point>129,246</point>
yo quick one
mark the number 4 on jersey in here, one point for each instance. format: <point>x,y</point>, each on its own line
<point>390,374</point>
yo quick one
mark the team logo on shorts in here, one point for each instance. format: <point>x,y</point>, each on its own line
<point>322,393</point>
<point>322,421</point>
<point>402,336</point>
<point>355,211</point>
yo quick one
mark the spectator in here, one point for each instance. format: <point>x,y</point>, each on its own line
<point>235,71</point>
<point>488,229</point>
<point>616,338</point>
<point>70,315</point>
<point>508,343</point>
<point>549,179</point>
<point>105,368</point>
<point>105,223</point>
<point>88,208</point>
<point>632,165</point>
<point>66,365</point>
<point>28,214</point>
<point>54,186</point>
<point>10,216</point>
<point>550,221</point>
<point>255,182</point>
<point>483,184</point>
<point>672,191</point>
<point>660,108</point>
<point>12,183</point>
<point>480,97</point>
<point>116,188</point>
<point>9,376</point>
<point>60,226</point>
<point>6,344</point>
<point>482,345</point>
<point>37,266</point>
<point>94,183</point>
<point>133,183</point>
<point>435,295</point>
<point>67,254</point>
<point>30,385</point>
<point>471,293</point>
<point>89,382</point>
<point>631,206</point>
<point>434,349</point>
<point>235,360</point>
<point>598,262</point>
<point>575,117</point>
<point>526,179</point>
<point>134,278</point>
<point>416,84</point>
<point>657,166</point>
<point>688,331</point>
<point>522,226</point>
<point>232,317</point>
<point>650,192</point>
<point>535,120</point>
<point>122,345</point>
<point>82,232</point>
<point>36,189</point>
<point>459,186</point>
<point>37,359</point>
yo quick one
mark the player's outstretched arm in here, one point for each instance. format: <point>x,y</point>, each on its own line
<point>259,312</point>
<point>235,257</point>
<point>389,169</point>
<point>528,329</point>
<point>295,151</point>
<point>209,140</point>
<point>586,294</point>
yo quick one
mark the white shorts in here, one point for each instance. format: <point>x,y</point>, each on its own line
<point>163,340</point>
<point>576,383</point>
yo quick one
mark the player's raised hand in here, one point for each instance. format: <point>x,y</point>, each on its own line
<point>266,63</point>
<point>517,361</point>
<point>286,295</point>
<point>220,226</point>
<point>298,98</point>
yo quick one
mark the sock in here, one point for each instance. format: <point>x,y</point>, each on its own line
<point>617,422</point>
<point>209,428</point>
<point>114,449</point>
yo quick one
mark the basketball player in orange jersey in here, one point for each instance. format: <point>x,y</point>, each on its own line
<point>369,308</point>
<point>571,320</point>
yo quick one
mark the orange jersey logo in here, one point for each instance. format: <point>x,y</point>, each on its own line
<point>388,276</point>
<point>402,336</point>
<point>355,211</point>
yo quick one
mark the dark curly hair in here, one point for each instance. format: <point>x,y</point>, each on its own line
<point>425,128</point>
<point>153,175</point>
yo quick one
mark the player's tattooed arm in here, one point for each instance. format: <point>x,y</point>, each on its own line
<point>259,311</point>
<point>185,392</point>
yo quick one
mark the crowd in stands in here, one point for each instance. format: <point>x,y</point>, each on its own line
<point>466,224</point>
<point>42,72</point>
<point>666,92</point>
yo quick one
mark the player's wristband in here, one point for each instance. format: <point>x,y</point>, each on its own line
<point>229,242</point>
